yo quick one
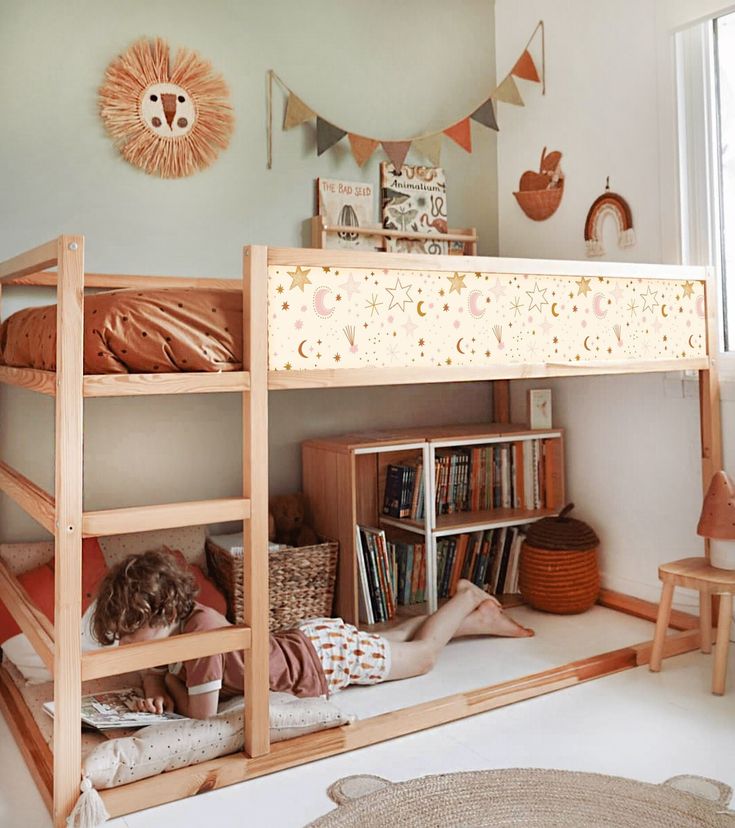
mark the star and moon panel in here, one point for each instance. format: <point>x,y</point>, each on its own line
<point>327,318</point>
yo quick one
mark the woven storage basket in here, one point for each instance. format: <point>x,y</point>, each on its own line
<point>558,566</point>
<point>300,581</point>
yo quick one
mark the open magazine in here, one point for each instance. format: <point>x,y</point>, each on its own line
<point>115,709</point>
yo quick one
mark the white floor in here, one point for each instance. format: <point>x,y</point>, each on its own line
<point>636,724</point>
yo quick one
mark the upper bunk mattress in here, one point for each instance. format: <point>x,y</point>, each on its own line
<point>134,331</point>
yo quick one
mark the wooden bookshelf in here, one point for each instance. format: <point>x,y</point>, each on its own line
<point>344,479</point>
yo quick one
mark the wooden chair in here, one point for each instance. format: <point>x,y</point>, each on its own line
<point>696,573</point>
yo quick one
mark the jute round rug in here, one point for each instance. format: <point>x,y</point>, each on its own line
<point>530,798</point>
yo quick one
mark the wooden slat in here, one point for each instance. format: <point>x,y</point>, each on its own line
<point>127,385</point>
<point>255,488</point>
<point>39,258</point>
<point>113,281</point>
<point>164,516</point>
<point>355,377</point>
<point>31,743</point>
<point>487,264</point>
<point>29,618</point>
<point>124,659</point>
<point>645,609</point>
<point>31,498</point>
<point>35,380</point>
<point>228,770</point>
<point>68,535</point>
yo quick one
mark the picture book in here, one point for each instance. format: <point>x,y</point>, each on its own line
<point>414,198</point>
<point>348,204</point>
<point>116,709</point>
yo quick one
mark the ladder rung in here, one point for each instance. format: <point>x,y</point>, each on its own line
<point>31,498</point>
<point>29,618</point>
<point>124,659</point>
<point>164,516</point>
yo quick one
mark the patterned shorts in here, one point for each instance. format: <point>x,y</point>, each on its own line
<point>348,655</point>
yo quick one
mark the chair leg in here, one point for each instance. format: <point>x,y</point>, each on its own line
<point>721,644</point>
<point>662,624</point>
<point>705,621</point>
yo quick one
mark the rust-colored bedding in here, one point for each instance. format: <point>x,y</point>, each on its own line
<point>136,331</point>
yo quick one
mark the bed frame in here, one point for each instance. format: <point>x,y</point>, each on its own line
<point>63,514</point>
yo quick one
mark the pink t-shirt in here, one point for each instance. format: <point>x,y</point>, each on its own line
<point>294,666</point>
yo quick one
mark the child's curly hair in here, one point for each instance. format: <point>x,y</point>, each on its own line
<point>150,589</point>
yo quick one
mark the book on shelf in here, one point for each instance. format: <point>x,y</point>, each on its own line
<point>116,709</point>
<point>414,199</point>
<point>348,204</point>
<point>404,491</point>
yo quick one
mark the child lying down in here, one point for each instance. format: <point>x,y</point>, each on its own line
<point>151,596</point>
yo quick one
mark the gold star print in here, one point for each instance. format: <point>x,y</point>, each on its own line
<point>287,366</point>
<point>688,288</point>
<point>279,289</point>
<point>421,343</point>
<point>399,295</point>
<point>449,360</point>
<point>284,306</point>
<point>457,283</point>
<point>537,297</point>
<point>299,278</point>
<point>326,269</point>
<point>445,308</point>
<point>373,304</point>
<point>337,357</point>
<point>487,353</point>
<point>516,306</point>
<point>649,299</point>
<point>632,307</point>
<point>584,286</point>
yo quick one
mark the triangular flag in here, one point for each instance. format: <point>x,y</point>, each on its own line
<point>327,135</point>
<point>508,92</point>
<point>296,112</point>
<point>461,134</point>
<point>485,115</point>
<point>430,147</point>
<point>362,148</point>
<point>525,68</point>
<point>397,152</point>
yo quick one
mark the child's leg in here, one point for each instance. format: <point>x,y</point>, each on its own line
<point>471,611</point>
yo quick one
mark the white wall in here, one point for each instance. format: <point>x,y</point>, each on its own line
<point>380,68</point>
<point>632,442</point>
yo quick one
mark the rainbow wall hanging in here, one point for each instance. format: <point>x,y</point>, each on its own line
<point>608,203</point>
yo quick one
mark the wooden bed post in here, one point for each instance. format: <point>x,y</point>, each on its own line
<point>710,421</point>
<point>68,534</point>
<point>255,487</point>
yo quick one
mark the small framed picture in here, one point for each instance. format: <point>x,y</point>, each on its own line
<point>539,408</point>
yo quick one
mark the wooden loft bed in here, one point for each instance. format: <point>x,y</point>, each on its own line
<point>63,515</point>
<point>309,283</point>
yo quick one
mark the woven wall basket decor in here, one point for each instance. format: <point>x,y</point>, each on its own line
<point>169,119</point>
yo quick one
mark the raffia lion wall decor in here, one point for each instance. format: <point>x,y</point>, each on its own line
<point>168,119</point>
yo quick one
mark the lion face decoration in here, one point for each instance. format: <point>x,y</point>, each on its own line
<point>169,120</point>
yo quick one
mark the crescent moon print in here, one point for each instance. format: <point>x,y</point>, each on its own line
<point>472,305</point>
<point>320,308</point>
<point>663,311</point>
<point>330,328</point>
<point>596,299</point>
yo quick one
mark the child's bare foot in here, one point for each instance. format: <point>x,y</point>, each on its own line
<point>489,619</point>
<point>463,585</point>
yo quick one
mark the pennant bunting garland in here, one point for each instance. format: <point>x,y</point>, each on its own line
<point>362,148</point>
<point>428,145</point>
<point>508,92</point>
<point>396,151</point>
<point>460,134</point>
<point>485,115</point>
<point>327,135</point>
<point>296,112</point>
<point>525,68</point>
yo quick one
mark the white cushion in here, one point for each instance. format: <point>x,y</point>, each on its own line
<point>153,750</point>
<point>19,650</point>
<point>189,540</point>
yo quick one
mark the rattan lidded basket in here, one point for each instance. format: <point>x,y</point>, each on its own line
<point>558,566</point>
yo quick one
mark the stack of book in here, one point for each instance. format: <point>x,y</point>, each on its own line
<point>498,476</point>
<point>488,559</point>
<point>410,561</point>
<point>404,491</point>
<point>471,479</point>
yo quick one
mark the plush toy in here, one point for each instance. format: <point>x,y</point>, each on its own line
<point>289,514</point>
